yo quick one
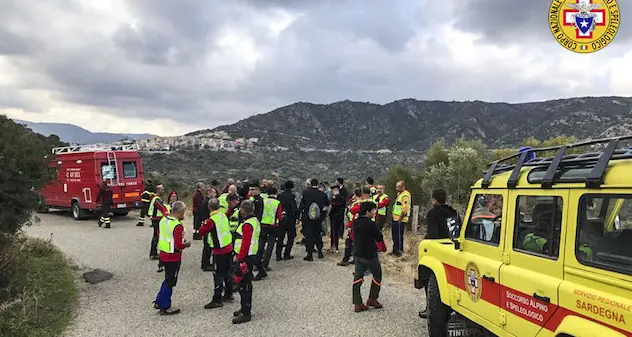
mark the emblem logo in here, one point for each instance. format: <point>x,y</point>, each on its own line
<point>473,284</point>
<point>584,26</point>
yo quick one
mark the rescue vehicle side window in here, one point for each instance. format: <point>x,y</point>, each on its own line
<point>108,171</point>
<point>485,221</point>
<point>129,169</point>
<point>539,224</point>
<point>604,232</point>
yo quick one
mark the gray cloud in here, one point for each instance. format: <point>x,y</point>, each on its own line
<point>519,21</point>
<point>171,59</point>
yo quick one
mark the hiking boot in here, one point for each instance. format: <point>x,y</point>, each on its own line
<point>266,268</point>
<point>100,223</point>
<point>155,305</point>
<point>279,258</point>
<point>107,226</point>
<point>320,254</point>
<point>308,258</point>
<point>374,303</point>
<point>423,314</point>
<point>160,269</point>
<point>241,319</point>
<point>289,257</point>
<point>140,224</point>
<point>343,263</point>
<point>228,298</point>
<point>352,262</point>
<point>167,312</point>
<point>360,307</point>
<point>213,305</point>
<point>237,313</point>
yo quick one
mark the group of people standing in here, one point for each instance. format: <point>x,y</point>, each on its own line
<point>242,223</point>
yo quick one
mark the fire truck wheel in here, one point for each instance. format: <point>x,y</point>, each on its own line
<point>77,212</point>
<point>438,313</point>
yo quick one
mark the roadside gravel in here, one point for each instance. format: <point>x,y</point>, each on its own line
<point>297,299</point>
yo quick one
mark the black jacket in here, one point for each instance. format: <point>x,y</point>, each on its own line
<point>437,226</point>
<point>311,195</point>
<point>366,236</point>
<point>258,202</point>
<point>338,204</point>
<point>288,205</point>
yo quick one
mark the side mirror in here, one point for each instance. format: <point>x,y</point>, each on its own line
<point>457,244</point>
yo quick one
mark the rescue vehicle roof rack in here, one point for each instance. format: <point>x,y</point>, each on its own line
<point>597,161</point>
<point>95,148</point>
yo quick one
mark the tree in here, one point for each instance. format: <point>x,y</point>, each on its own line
<point>24,168</point>
<point>436,154</point>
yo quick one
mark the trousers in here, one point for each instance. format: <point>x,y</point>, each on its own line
<point>267,239</point>
<point>222,278</point>
<point>144,208</point>
<point>337,228</point>
<point>348,250</point>
<point>397,234</point>
<point>105,213</point>
<point>361,265</point>
<point>163,298</point>
<point>206,253</point>
<point>153,249</point>
<point>245,288</point>
<point>288,230</point>
<point>312,229</point>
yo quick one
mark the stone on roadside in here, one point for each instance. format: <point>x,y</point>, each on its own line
<point>97,275</point>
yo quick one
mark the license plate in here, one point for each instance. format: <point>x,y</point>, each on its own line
<point>121,206</point>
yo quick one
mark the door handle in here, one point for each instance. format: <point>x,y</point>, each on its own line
<point>542,298</point>
<point>489,278</point>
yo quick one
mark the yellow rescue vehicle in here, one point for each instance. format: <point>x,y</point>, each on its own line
<point>545,248</point>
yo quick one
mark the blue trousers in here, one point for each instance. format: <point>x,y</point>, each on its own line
<point>397,232</point>
<point>163,298</point>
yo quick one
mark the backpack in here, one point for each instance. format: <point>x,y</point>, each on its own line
<point>313,212</point>
<point>454,225</point>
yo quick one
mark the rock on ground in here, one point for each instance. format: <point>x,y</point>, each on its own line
<point>297,299</point>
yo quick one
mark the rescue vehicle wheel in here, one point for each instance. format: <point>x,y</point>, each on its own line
<point>77,212</point>
<point>438,313</point>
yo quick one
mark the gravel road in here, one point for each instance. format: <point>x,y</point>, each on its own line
<point>297,299</point>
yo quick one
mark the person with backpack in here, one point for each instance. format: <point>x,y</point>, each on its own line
<point>313,210</point>
<point>440,219</point>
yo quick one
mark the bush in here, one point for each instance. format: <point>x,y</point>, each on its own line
<point>46,291</point>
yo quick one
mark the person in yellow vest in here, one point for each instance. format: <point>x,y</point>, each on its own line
<point>272,215</point>
<point>233,213</point>
<point>145,198</point>
<point>401,212</point>
<point>171,243</point>
<point>217,230</point>
<point>156,211</point>
<point>382,201</point>
<point>246,248</point>
<point>223,198</point>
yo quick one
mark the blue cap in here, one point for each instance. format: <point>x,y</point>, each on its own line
<point>530,154</point>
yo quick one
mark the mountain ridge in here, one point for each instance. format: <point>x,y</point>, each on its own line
<point>409,124</point>
<point>71,133</point>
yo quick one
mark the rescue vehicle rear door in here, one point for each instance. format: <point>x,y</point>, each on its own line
<point>534,266</point>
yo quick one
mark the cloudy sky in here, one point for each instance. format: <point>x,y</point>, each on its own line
<point>168,67</point>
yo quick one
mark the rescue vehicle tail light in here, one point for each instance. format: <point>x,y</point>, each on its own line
<point>132,194</point>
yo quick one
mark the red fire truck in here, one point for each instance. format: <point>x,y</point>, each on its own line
<point>82,169</point>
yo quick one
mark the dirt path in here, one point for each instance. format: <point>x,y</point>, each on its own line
<point>297,299</point>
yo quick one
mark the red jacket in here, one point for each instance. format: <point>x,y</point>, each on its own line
<point>207,226</point>
<point>178,243</point>
<point>382,203</point>
<point>197,201</point>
